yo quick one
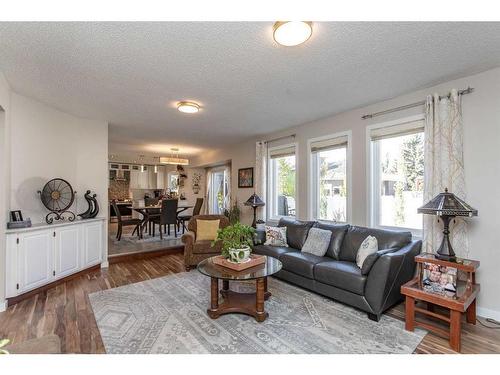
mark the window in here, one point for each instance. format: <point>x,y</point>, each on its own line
<point>218,194</point>
<point>329,178</point>
<point>282,181</point>
<point>397,175</point>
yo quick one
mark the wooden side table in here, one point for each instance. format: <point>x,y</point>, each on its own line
<point>464,301</point>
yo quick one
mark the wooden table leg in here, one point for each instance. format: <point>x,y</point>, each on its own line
<point>471,313</point>
<point>410,313</point>
<point>225,286</point>
<point>259,303</point>
<point>455,329</point>
<point>267,294</point>
<point>214,298</point>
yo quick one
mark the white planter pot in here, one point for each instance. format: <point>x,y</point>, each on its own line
<point>240,255</point>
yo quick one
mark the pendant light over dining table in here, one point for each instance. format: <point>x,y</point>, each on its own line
<point>174,159</point>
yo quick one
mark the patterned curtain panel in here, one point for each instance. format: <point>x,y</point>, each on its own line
<point>260,178</point>
<point>444,167</point>
<point>227,187</point>
<point>208,179</point>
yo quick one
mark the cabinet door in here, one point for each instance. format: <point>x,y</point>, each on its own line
<point>143,180</point>
<point>12,266</point>
<point>152,179</point>
<point>36,265</point>
<point>160,178</point>
<point>93,244</point>
<point>67,251</point>
<point>134,179</point>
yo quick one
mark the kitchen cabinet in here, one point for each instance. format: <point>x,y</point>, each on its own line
<point>41,254</point>
<point>35,254</point>
<point>67,251</point>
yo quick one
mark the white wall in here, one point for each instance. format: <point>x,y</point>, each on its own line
<point>47,143</point>
<point>4,178</point>
<point>481,111</point>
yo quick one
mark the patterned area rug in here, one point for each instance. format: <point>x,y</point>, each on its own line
<point>168,315</point>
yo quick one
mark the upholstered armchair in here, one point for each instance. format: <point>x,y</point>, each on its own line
<point>196,251</point>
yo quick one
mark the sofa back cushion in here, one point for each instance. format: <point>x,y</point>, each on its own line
<point>356,235</point>
<point>296,231</point>
<point>338,233</point>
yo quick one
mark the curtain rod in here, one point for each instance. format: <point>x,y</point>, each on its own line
<point>279,138</point>
<point>468,90</point>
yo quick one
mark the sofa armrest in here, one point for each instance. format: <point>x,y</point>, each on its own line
<point>188,238</point>
<point>389,272</point>
<point>372,258</point>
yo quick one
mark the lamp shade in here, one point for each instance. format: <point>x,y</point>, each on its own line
<point>447,204</point>
<point>254,201</point>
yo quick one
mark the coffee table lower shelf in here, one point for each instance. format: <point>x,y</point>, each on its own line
<point>235,302</point>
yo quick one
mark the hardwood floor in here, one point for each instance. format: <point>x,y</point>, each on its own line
<point>65,310</point>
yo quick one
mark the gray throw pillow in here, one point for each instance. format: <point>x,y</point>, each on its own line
<point>317,242</point>
<point>368,246</point>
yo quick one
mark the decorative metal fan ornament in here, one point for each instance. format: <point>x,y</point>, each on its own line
<point>57,196</point>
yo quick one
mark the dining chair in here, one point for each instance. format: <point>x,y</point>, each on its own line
<point>126,222</point>
<point>167,217</point>
<point>183,219</point>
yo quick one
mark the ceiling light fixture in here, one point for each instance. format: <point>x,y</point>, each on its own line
<point>174,159</point>
<point>292,33</point>
<point>188,107</point>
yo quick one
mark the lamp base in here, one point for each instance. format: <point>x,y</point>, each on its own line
<point>445,251</point>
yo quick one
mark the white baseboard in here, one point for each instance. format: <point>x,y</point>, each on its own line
<point>105,264</point>
<point>3,305</point>
<point>488,313</point>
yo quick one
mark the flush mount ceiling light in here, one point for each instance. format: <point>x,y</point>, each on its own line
<point>292,33</point>
<point>174,159</point>
<point>188,107</point>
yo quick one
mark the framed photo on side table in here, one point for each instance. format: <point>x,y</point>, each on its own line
<point>245,177</point>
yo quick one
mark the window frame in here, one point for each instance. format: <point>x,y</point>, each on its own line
<point>271,181</point>
<point>311,183</point>
<point>372,189</point>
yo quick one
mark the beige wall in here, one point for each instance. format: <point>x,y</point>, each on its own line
<point>47,143</point>
<point>481,111</point>
<point>4,177</point>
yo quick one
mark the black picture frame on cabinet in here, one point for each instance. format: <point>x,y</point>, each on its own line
<point>16,215</point>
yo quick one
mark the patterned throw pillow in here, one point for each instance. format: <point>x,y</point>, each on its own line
<point>317,242</point>
<point>368,247</point>
<point>276,236</point>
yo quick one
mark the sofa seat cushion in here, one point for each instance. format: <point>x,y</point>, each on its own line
<point>340,274</point>
<point>301,263</point>
<point>205,247</point>
<point>273,251</point>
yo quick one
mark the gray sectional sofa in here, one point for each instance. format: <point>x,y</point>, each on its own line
<point>373,288</point>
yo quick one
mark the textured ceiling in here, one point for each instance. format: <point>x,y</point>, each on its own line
<point>131,74</point>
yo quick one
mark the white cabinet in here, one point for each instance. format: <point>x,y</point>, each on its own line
<point>67,251</point>
<point>40,255</point>
<point>134,179</point>
<point>144,179</point>
<point>35,257</point>
<point>160,178</point>
<point>92,244</point>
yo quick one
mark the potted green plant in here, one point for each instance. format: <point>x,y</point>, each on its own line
<point>236,240</point>
<point>3,343</point>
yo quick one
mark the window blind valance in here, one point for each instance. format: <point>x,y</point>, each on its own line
<point>407,128</point>
<point>282,152</point>
<point>329,144</point>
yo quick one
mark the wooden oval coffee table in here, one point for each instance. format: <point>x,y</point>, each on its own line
<point>235,302</point>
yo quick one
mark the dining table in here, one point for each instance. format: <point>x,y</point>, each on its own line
<point>148,211</point>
